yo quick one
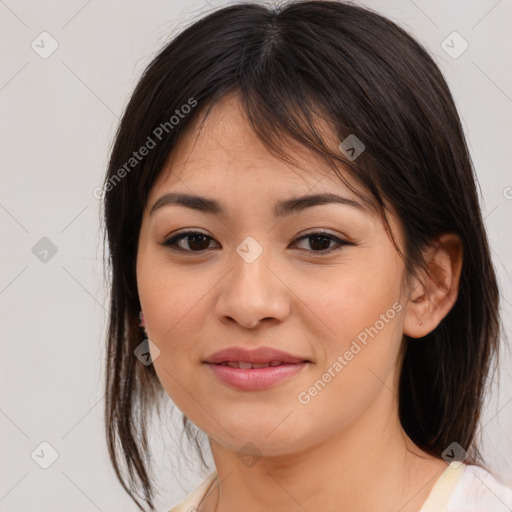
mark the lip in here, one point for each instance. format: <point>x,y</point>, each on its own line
<point>257,355</point>
<point>254,379</point>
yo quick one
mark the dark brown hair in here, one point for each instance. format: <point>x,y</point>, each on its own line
<point>291,66</point>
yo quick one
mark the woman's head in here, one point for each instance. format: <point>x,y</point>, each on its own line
<point>252,107</point>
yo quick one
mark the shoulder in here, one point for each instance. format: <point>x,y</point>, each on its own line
<point>191,502</point>
<point>479,491</point>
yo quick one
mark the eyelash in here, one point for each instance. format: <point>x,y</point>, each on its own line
<point>171,242</point>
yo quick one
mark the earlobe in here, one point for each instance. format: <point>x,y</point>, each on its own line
<point>434,293</point>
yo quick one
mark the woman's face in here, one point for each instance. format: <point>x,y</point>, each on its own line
<point>334,299</point>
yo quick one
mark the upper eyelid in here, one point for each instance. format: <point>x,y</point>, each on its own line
<point>340,240</point>
<point>317,231</point>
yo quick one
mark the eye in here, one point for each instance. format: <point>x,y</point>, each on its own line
<point>319,242</point>
<point>196,241</point>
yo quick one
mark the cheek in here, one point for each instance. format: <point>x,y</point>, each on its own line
<point>359,341</point>
<point>353,298</point>
<point>175,304</point>
<point>169,294</point>
<point>360,321</point>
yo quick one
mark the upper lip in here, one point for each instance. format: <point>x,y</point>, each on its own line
<point>258,355</point>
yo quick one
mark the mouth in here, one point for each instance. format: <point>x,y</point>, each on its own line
<point>245,365</point>
<point>255,369</point>
<point>246,376</point>
<point>267,356</point>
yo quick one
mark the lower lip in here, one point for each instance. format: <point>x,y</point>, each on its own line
<point>253,379</point>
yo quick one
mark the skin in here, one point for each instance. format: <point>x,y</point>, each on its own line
<point>345,449</point>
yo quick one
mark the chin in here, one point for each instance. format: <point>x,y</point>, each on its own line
<point>256,441</point>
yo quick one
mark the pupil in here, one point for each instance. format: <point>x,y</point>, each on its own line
<point>192,245</point>
<point>319,237</point>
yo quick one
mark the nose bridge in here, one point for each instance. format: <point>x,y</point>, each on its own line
<point>251,261</point>
<point>250,273</point>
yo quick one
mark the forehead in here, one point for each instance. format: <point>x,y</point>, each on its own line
<point>223,149</point>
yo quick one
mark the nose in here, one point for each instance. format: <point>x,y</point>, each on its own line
<point>252,292</point>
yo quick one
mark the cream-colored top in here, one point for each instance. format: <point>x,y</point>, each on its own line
<point>460,488</point>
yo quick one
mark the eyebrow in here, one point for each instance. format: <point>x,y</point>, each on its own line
<point>281,209</point>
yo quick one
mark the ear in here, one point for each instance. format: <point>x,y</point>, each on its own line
<point>434,293</point>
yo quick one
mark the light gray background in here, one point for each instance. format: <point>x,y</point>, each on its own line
<point>58,119</point>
